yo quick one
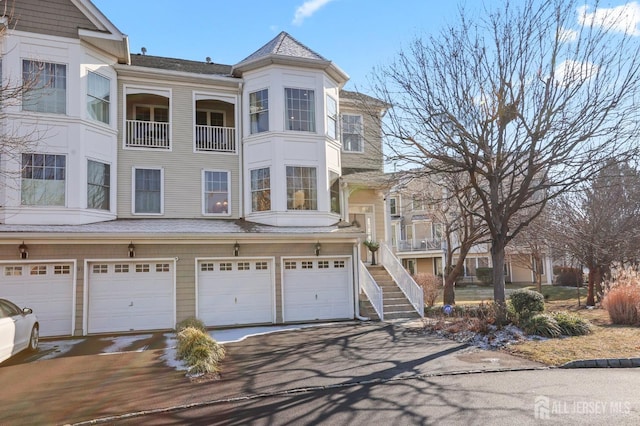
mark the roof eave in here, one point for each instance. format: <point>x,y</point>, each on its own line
<point>327,66</point>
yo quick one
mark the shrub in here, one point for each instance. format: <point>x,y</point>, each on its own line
<point>527,302</point>
<point>485,276</point>
<point>542,325</point>
<point>430,285</point>
<point>191,322</point>
<point>622,295</point>
<point>566,276</point>
<point>572,324</point>
<point>199,351</point>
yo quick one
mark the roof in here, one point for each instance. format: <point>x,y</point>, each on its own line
<point>369,179</point>
<point>284,45</point>
<point>173,64</point>
<point>167,228</point>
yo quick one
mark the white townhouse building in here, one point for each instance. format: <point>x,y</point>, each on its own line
<point>147,190</point>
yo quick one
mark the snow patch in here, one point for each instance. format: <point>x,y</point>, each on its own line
<point>55,348</point>
<point>121,342</point>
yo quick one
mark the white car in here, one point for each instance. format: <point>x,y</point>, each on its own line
<point>19,329</point>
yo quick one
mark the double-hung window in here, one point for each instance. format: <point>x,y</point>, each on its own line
<point>46,87</point>
<point>260,190</point>
<point>43,180</point>
<point>98,185</point>
<point>332,118</point>
<point>259,111</point>
<point>98,97</point>
<point>352,133</point>
<point>215,192</point>
<point>302,186</point>
<point>147,191</point>
<point>300,110</point>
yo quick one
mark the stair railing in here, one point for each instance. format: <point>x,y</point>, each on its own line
<point>372,290</point>
<point>412,291</point>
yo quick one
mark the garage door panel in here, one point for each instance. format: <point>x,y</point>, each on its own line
<point>130,296</point>
<point>47,288</point>
<point>235,292</point>
<point>317,289</point>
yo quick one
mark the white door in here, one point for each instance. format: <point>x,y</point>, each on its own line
<point>317,289</point>
<point>130,296</point>
<point>47,288</point>
<point>234,292</point>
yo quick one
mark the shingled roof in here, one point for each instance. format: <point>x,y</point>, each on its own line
<point>284,45</point>
<point>173,64</point>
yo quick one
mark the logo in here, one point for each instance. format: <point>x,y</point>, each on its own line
<point>541,408</point>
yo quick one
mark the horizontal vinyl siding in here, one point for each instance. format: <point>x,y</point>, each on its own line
<point>182,167</point>
<point>53,17</point>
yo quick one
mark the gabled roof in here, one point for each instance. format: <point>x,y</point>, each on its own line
<point>286,50</point>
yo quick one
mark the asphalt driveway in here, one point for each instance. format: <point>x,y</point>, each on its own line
<point>89,382</point>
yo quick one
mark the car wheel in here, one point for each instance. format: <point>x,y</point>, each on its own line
<point>33,341</point>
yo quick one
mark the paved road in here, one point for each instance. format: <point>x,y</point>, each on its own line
<point>567,397</point>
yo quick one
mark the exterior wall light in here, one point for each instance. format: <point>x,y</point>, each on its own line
<point>23,249</point>
<point>236,249</point>
<point>132,250</point>
<point>318,247</point>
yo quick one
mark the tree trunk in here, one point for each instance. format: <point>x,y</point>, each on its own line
<point>595,281</point>
<point>449,283</point>
<point>497,261</point>
<point>539,282</point>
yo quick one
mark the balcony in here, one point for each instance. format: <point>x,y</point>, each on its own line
<point>147,134</point>
<point>215,139</point>
<point>419,245</point>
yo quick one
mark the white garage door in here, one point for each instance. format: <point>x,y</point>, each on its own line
<point>130,296</point>
<point>47,288</point>
<point>317,289</point>
<point>233,292</point>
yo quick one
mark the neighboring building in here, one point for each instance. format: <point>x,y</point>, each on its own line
<point>417,235</point>
<point>156,189</point>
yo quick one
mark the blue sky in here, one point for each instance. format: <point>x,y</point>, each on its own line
<point>355,34</point>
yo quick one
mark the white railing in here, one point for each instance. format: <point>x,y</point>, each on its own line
<point>419,245</point>
<point>372,290</point>
<point>214,138</point>
<point>147,134</point>
<point>411,290</point>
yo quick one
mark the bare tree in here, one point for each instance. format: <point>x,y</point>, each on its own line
<point>531,246</point>
<point>525,102</point>
<point>600,224</point>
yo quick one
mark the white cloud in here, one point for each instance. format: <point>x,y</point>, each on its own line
<point>623,18</point>
<point>307,9</point>
<point>570,72</point>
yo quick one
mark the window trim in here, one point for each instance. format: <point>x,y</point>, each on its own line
<point>257,113</point>
<point>133,190</point>
<point>287,115</point>
<point>332,119</point>
<point>107,102</point>
<point>314,199</point>
<point>204,201</point>
<point>22,178</point>
<point>251,190</point>
<point>108,187</point>
<point>342,139</point>
<point>35,90</point>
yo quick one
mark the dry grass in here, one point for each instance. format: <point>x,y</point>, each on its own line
<point>606,341</point>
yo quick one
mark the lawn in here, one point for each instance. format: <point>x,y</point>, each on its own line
<point>606,341</point>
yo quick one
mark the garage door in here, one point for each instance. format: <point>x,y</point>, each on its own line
<point>47,288</point>
<point>317,289</point>
<point>233,292</point>
<point>130,296</point>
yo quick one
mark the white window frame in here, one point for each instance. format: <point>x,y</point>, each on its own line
<point>342,133</point>
<point>100,101</point>
<point>312,190</point>
<point>291,120</point>
<point>332,120</point>
<point>257,113</point>
<point>204,192</point>
<point>252,190</point>
<point>394,210</point>
<point>133,191</point>
<point>108,186</point>
<point>37,89</point>
<point>43,180</point>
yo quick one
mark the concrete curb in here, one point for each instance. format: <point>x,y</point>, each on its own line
<point>603,363</point>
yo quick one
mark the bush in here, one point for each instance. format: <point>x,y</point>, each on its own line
<point>572,324</point>
<point>485,276</point>
<point>430,285</point>
<point>622,295</point>
<point>199,351</point>
<point>542,325</point>
<point>571,277</point>
<point>527,302</point>
<point>191,322</point>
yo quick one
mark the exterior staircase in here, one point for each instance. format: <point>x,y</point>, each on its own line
<point>395,304</point>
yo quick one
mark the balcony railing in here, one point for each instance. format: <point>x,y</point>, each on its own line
<point>147,134</point>
<point>216,139</point>
<point>419,245</point>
